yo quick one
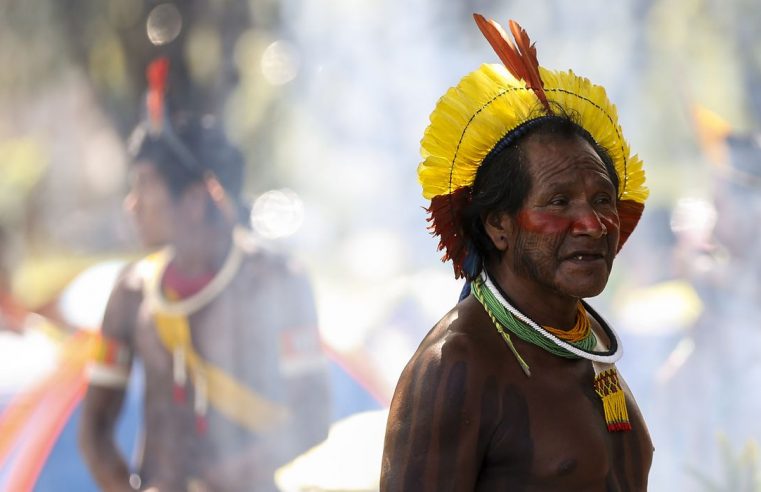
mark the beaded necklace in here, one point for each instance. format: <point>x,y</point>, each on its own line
<point>524,331</point>
<point>578,344</point>
<point>580,351</point>
<point>580,330</point>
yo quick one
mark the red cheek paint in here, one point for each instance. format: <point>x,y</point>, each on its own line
<point>542,222</point>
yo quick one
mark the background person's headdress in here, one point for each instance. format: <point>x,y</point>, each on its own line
<point>158,124</point>
<point>196,143</point>
<point>734,155</point>
<point>471,119</point>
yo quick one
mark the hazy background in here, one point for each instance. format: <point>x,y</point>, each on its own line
<point>328,100</point>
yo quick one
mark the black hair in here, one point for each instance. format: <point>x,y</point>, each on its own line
<point>186,150</point>
<point>503,182</point>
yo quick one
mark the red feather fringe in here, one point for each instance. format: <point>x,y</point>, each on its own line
<point>629,213</point>
<point>446,222</point>
<point>157,74</point>
<point>520,61</point>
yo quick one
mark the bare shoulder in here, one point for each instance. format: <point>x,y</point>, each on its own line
<point>260,261</point>
<point>440,417</point>
<point>127,292</point>
<point>277,284</point>
<point>461,349</point>
<point>464,334</point>
<point>131,278</point>
<point>124,302</point>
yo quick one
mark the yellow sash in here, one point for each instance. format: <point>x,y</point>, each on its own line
<point>232,399</point>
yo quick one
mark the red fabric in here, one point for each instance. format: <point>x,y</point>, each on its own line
<point>32,422</point>
<point>182,286</point>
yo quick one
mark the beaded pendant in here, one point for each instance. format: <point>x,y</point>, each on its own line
<point>608,388</point>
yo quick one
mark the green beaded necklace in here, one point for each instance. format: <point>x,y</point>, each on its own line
<point>503,319</point>
<point>606,383</point>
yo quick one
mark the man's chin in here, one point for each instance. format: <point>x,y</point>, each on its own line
<point>585,287</point>
<point>588,292</point>
<point>586,282</point>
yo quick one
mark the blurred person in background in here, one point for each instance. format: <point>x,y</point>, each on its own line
<point>12,312</point>
<point>533,192</point>
<point>707,408</point>
<point>226,330</point>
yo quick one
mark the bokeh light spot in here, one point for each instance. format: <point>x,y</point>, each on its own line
<point>164,24</point>
<point>277,214</point>
<point>280,63</point>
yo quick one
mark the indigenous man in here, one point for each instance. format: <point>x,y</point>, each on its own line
<point>234,379</point>
<point>533,191</point>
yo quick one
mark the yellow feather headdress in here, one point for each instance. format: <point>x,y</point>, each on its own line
<point>488,104</point>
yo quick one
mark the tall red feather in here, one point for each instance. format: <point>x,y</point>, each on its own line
<point>157,74</point>
<point>520,61</point>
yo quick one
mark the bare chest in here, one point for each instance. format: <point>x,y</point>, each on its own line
<point>552,435</point>
<point>235,333</point>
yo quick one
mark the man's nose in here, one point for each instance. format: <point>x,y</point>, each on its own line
<point>587,222</point>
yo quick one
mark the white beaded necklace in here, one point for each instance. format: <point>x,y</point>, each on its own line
<point>600,357</point>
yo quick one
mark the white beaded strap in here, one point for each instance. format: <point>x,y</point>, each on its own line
<point>593,356</point>
<point>188,306</point>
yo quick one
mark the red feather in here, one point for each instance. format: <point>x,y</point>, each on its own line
<point>446,222</point>
<point>629,213</point>
<point>157,74</point>
<point>520,61</point>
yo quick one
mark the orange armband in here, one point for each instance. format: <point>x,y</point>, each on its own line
<point>110,362</point>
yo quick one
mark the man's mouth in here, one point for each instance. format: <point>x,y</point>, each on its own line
<point>585,256</point>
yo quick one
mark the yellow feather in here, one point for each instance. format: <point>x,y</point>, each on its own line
<point>488,103</point>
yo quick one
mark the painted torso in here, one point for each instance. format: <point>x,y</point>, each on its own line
<point>237,333</point>
<point>551,434</point>
<point>546,432</point>
<point>240,331</point>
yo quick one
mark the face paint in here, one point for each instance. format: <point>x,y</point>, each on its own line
<point>564,238</point>
<point>538,222</point>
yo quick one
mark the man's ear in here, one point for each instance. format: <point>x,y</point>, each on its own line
<point>499,228</point>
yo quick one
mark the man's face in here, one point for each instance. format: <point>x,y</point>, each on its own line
<point>150,204</point>
<point>565,237</point>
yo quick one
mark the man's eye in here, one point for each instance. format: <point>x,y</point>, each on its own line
<point>559,201</point>
<point>604,199</point>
